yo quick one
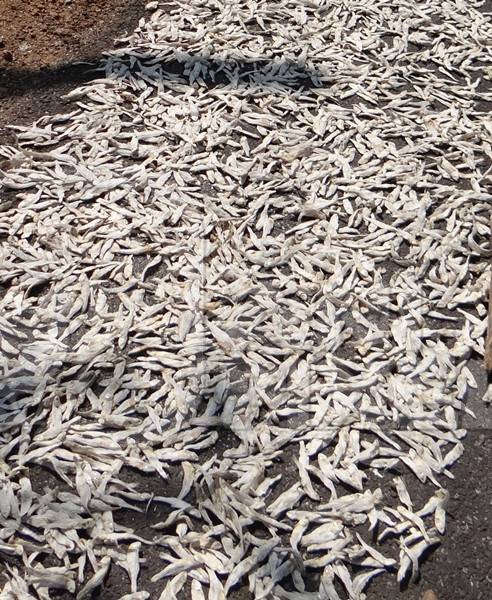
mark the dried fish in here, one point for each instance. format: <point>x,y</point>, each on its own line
<point>96,580</point>
<point>260,280</point>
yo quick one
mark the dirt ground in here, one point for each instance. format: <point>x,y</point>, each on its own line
<point>39,42</point>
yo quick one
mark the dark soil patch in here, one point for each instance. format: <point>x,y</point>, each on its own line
<point>460,568</point>
<point>40,41</point>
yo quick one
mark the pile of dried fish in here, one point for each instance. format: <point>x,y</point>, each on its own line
<point>251,263</point>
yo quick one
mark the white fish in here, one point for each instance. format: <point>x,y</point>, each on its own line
<point>244,567</point>
<point>323,533</point>
<point>173,587</point>
<point>133,564</point>
<point>286,500</point>
<point>178,566</point>
<point>199,306</point>
<point>96,580</point>
<point>197,592</point>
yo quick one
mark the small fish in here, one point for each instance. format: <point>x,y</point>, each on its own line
<point>133,564</point>
<point>96,580</point>
<point>178,566</point>
<point>247,564</point>
<point>286,501</point>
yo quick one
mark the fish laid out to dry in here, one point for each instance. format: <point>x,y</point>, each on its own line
<point>252,263</point>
